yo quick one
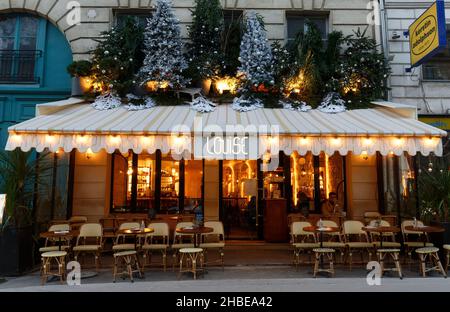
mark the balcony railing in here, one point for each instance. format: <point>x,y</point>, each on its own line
<point>19,66</point>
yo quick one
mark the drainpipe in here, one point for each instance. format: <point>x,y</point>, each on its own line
<point>383,37</point>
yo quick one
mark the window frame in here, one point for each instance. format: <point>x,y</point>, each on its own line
<point>41,33</point>
<point>436,58</point>
<point>305,15</point>
<point>131,12</point>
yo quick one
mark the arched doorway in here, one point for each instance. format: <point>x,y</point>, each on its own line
<point>34,56</point>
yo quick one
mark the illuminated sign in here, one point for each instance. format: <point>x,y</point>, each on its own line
<point>427,34</point>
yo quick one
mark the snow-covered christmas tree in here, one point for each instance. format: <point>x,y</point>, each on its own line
<point>164,62</point>
<point>256,55</point>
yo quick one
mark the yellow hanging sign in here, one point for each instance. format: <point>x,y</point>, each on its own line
<point>427,34</point>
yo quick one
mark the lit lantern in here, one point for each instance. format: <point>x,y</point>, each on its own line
<point>295,84</point>
<point>226,84</point>
<point>153,86</point>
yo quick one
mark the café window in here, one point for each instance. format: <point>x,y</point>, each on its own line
<point>438,67</point>
<point>18,52</point>
<point>313,178</point>
<point>133,182</point>
<point>399,189</point>
<point>298,23</point>
<point>193,180</point>
<point>170,184</point>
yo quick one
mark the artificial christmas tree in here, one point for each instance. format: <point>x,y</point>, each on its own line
<point>256,56</point>
<point>204,49</point>
<point>115,62</point>
<point>164,62</point>
<point>363,71</point>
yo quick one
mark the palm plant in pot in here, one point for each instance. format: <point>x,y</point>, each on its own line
<point>434,195</point>
<point>20,177</point>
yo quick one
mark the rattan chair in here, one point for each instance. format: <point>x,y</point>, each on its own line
<point>302,241</point>
<point>351,229</point>
<point>157,241</point>
<point>89,232</point>
<point>181,240</point>
<point>214,240</point>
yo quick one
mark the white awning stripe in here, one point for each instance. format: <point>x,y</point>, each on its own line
<point>124,130</point>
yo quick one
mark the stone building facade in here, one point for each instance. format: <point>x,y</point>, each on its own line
<point>427,86</point>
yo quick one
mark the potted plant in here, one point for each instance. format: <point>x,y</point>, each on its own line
<point>80,72</point>
<point>434,194</point>
<point>19,180</point>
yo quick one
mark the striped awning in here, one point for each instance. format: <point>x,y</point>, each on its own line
<point>80,126</point>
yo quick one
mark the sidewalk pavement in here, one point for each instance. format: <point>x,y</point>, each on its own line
<point>238,279</point>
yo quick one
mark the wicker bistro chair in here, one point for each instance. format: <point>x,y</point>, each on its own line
<point>447,257</point>
<point>156,241</point>
<point>214,240</point>
<point>181,241</point>
<point>430,254</point>
<point>302,241</point>
<point>333,240</point>
<point>120,243</point>
<point>50,242</point>
<point>353,228</point>
<point>388,238</point>
<point>89,232</point>
<point>411,239</point>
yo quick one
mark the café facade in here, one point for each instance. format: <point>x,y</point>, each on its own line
<point>167,159</point>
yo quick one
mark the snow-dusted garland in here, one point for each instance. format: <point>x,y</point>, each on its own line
<point>203,105</point>
<point>332,103</point>
<point>296,106</point>
<point>107,101</point>
<point>242,104</point>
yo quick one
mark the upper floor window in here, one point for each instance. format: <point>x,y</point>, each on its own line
<point>438,67</point>
<point>18,54</point>
<point>139,16</point>
<point>297,23</point>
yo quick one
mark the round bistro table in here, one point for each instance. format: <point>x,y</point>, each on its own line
<point>197,231</point>
<point>67,235</point>
<point>321,230</point>
<point>381,230</point>
<point>425,230</point>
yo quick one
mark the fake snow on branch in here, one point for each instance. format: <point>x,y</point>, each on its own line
<point>242,104</point>
<point>107,101</point>
<point>138,103</point>
<point>332,103</point>
<point>203,105</point>
<point>164,61</point>
<point>256,54</point>
<point>296,106</point>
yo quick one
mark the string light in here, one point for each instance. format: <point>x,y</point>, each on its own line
<point>364,155</point>
<point>115,139</point>
<point>398,141</point>
<point>367,141</point>
<point>89,153</point>
<point>303,140</point>
<point>336,141</point>
<point>50,138</point>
